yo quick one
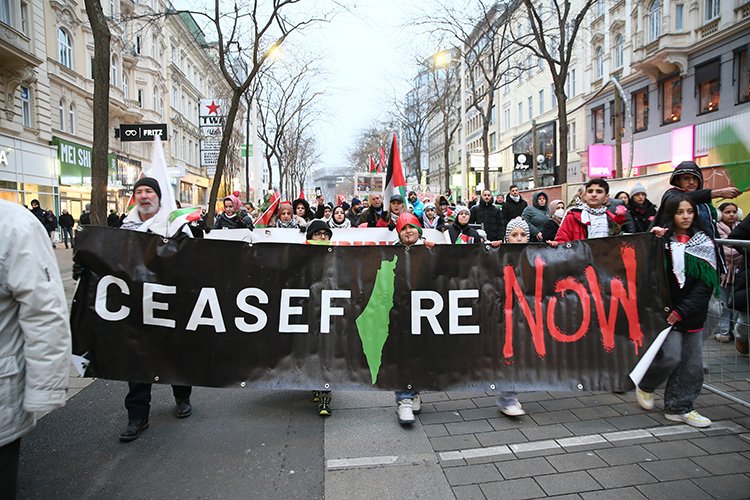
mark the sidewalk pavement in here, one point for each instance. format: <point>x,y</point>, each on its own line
<point>569,445</point>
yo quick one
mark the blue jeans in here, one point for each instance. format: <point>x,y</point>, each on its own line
<point>742,326</point>
<point>67,231</point>
<point>680,363</point>
<point>726,320</point>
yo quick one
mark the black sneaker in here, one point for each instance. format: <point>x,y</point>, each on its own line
<point>134,429</point>
<point>324,406</point>
<point>183,409</point>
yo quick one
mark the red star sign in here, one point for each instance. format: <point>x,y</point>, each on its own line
<point>213,108</point>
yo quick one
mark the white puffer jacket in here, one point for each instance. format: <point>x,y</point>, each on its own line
<point>34,329</point>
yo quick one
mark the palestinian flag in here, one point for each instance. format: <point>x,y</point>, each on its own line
<point>131,201</point>
<point>372,165</point>
<point>464,239</point>
<point>395,182</point>
<point>381,163</point>
<point>181,216</point>
<point>273,202</point>
<point>731,151</point>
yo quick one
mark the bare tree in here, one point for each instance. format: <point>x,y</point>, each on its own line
<point>299,155</point>
<point>446,109</point>
<point>100,149</point>
<point>414,113</point>
<point>368,143</point>
<point>490,58</point>
<point>553,31</point>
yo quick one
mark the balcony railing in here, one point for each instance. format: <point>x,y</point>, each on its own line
<point>709,28</point>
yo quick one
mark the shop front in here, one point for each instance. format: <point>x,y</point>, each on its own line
<point>28,172</point>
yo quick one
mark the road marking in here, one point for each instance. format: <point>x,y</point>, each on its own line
<point>346,463</point>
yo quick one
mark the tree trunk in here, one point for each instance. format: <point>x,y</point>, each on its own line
<point>221,162</point>
<point>446,153</point>
<point>486,155</point>
<point>562,118</point>
<point>99,166</point>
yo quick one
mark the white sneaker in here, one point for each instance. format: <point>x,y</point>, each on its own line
<point>645,399</point>
<point>405,412</point>
<point>691,418</point>
<point>416,404</point>
<point>513,409</point>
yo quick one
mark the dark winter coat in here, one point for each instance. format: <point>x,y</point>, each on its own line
<point>643,215</point>
<point>50,222</point>
<point>455,229</point>
<point>491,217</point>
<point>224,222</point>
<point>536,216</point>
<point>371,217</point>
<point>513,209</point>
<point>690,302</point>
<point>740,298</point>
<point>85,219</point>
<point>701,197</point>
<point>66,220</point>
<point>549,231</point>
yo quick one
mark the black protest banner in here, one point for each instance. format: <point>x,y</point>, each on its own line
<point>220,313</point>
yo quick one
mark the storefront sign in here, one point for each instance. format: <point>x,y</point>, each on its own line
<point>75,162</point>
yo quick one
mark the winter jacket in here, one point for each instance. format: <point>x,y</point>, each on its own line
<point>35,341</point>
<point>66,220</point>
<point>455,230</point>
<point>535,216</point>
<point>418,208</point>
<point>740,299</point>
<point>224,222</point>
<point>50,222</point>
<point>549,231</point>
<point>371,217</point>
<point>490,217</point>
<point>513,209</point>
<point>732,257</point>
<point>572,228</point>
<point>85,218</point>
<point>643,215</point>
<point>701,197</point>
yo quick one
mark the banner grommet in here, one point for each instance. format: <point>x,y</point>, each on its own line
<point>327,386</point>
<point>156,378</point>
<point>580,387</point>
<point>242,384</point>
<point>492,386</point>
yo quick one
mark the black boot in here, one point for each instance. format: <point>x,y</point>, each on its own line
<point>183,409</point>
<point>134,429</point>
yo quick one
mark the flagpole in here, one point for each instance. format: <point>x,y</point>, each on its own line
<point>464,156</point>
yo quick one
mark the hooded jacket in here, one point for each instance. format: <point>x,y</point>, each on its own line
<point>35,342</point>
<point>513,209</point>
<point>701,197</point>
<point>491,218</point>
<point>536,216</point>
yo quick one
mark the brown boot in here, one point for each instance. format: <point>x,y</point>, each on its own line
<point>741,346</point>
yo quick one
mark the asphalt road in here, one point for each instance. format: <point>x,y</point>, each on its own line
<point>237,444</point>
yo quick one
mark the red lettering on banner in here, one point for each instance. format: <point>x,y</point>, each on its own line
<point>536,322</point>
<point>618,294</point>
<point>576,287</point>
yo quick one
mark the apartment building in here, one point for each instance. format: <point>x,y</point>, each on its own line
<point>684,69</point>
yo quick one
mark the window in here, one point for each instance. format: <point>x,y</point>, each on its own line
<point>519,116</point>
<point>712,9</point>
<point>619,50</point>
<point>654,20</point>
<point>572,146</point>
<point>25,106</point>
<point>64,48</point>
<point>612,117</point>
<point>61,113</point>
<point>599,8</point>
<point>598,63</point>
<point>671,99</point>
<point>597,118</point>
<point>506,118</point>
<point>25,18</point>
<point>570,84</point>
<point>541,102</point>
<point>154,41</point>
<point>530,103</point>
<point>743,89</point>
<point>71,118</point>
<point>113,7</point>
<point>493,115</point>
<point>125,85</point>
<point>138,43</point>
<point>679,17</point>
<point>91,67</point>
<point>175,98</point>
<point>5,11</point>
<point>553,99</point>
<point>175,144</point>
<point>155,100</point>
<point>114,72</point>
<point>493,141</point>
<point>707,79</point>
<point>640,109</point>
<point>140,98</point>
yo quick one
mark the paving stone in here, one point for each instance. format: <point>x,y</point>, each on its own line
<point>616,494</point>
<point>592,412</point>
<point>569,394</point>
<point>672,470</point>
<point>723,412</point>
<point>439,418</point>
<point>674,490</point>
<point>545,432</point>
<point>600,399</point>
<point>472,474</point>
<point>588,427</point>
<point>469,492</point>
<point>428,408</point>
<point>453,463</point>
<point>725,487</point>
<point>501,437</point>
<point>480,413</point>
<point>567,482</point>
<point>625,455</point>
<point>554,417</point>
<point>436,430</point>
<point>621,475</point>
<point>516,488</point>
<point>460,404</point>
<point>472,427</point>
<point>561,404</point>
<point>628,409</point>
<point>674,449</point>
<point>722,444</point>
<point>527,467</point>
<point>576,461</point>
<point>726,463</point>
<point>527,397</point>
<point>454,442</point>
<point>626,422</point>
<point>466,395</point>
<point>502,422</point>
<point>485,401</point>
<point>431,397</point>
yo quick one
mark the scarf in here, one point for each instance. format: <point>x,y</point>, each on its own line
<point>344,225</point>
<point>430,224</point>
<point>515,198</point>
<point>697,259</point>
<point>595,211</point>
<point>292,224</point>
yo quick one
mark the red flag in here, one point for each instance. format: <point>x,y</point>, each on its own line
<point>372,165</point>
<point>381,165</point>
<point>340,198</point>
<point>301,194</point>
<point>265,219</point>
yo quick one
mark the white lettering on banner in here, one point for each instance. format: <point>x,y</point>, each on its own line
<point>150,305</point>
<point>287,310</point>
<point>454,311</point>
<point>326,310</point>
<point>216,320</point>
<point>100,303</point>
<point>417,313</point>
<point>259,314</point>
